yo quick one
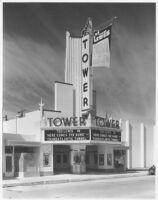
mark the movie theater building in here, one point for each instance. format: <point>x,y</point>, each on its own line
<point>71,137</point>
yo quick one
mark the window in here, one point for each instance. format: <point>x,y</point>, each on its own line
<point>101,159</point>
<point>95,158</point>
<point>119,158</point>
<point>109,159</point>
<point>46,159</point>
<point>8,163</point>
<point>8,149</point>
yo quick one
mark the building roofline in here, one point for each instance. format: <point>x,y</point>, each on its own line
<point>50,110</point>
<point>63,83</point>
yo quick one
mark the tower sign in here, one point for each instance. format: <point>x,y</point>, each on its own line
<point>85,72</point>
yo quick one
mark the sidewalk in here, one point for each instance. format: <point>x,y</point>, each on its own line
<point>65,178</point>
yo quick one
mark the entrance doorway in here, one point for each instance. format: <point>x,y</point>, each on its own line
<point>120,159</point>
<point>9,165</point>
<point>9,161</point>
<point>61,158</point>
<point>91,157</point>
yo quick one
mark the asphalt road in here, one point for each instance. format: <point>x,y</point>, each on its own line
<point>133,187</point>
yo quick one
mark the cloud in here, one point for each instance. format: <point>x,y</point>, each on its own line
<point>127,89</point>
<point>30,70</point>
<point>34,54</point>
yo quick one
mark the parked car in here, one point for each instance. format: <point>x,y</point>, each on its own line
<point>152,170</point>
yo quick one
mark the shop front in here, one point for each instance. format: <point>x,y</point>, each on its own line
<point>20,157</point>
<point>67,149</point>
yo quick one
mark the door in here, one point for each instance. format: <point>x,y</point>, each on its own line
<point>62,162</point>
<point>65,160</point>
<point>120,159</point>
<point>9,165</point>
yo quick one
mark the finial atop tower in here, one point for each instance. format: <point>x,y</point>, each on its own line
<point>88,27</point>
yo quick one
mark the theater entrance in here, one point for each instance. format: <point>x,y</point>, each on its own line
<point>61,158</point>
<point>120,159</point>
<point>9,162</point>
<point>91,157</point>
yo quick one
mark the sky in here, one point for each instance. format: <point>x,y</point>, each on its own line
<point>34,56</point>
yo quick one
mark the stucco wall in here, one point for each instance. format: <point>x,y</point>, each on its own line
<point>64,98</point>
<point>27,125</point>
<point>137,140</point>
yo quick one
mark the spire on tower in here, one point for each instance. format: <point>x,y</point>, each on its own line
<point>41,104</point>
<point>88,29</point>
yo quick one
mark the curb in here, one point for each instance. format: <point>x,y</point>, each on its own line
<point>43,182</point>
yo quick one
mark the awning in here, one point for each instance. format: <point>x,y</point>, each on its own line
<point>23,143</point>
<point>120,147</point>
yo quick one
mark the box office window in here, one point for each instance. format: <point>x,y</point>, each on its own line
<point>77,158</point>
<point>46,160</point>
<point>101,159</point>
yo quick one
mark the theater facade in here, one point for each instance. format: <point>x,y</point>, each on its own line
<point>72,137</point>
<point>45,142</point>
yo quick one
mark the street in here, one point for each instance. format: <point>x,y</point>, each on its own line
<point>133,187</point>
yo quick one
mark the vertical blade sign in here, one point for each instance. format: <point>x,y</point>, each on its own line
<point>85,72</point>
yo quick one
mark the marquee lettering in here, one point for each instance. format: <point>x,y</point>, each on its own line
<point>72,121</point>
<point>104,122</point>
<point>85,73</point>
<point>81,121</point>
<point>101,35</point>
<point>84,42</point>
<point>85,101</point>
<point>85,58</point>
<point>85,87</point>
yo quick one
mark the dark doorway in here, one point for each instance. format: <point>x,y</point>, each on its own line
<point>61,158</point>
<point>91,157</point>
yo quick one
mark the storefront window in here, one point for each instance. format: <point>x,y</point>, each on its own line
<point>8,149</point>
<point>46,160</point>
<point>95,158</point>
<point>8,163</point>
<point>101,159</point>
<point>109,159</point>
<point>119,158</point>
